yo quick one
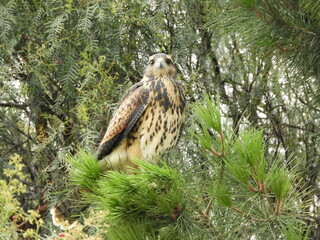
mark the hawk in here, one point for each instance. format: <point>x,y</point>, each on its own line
<point>148,119</point>
<point>145,124</point>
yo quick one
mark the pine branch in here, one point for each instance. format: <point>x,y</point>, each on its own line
<point>276,28</point>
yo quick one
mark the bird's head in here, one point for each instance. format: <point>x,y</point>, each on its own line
<point>160,65</point>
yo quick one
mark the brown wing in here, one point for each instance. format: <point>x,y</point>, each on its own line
<point>127,114</point>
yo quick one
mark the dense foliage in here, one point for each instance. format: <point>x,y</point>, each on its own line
<point>64,64</point>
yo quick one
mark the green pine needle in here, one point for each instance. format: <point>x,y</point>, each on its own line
<point>249,3</point>
<point>296,231</point>
<point>239,169</point>
<point>206,141</point>
<point>250,150</point>
<point>135,230</point>
<point>84,169</point>
<point>222,195</point>
<point>279,181</point>
<point>152,191</point>
<point>208,113</point>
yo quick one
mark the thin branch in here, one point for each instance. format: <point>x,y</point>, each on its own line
<point>217,154</point>
<point>14,146</point>
<point>214,152</point>
<point>247,215</point>
<point>206,212</point>
<point>13,105</point>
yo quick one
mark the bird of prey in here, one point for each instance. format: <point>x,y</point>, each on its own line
<point>146,122</point>
<point>148,119</point>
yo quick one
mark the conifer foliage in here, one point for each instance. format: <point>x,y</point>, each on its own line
<point>288,29</point>
<point>243,190</point>
<point>247,163</point>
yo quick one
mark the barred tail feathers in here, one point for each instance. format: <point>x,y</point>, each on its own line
<point>68,209</point>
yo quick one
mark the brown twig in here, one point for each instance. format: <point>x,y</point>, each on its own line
<point>252,189</point>
<point>204,215</point>
<point>277,208</point>
<point>222,152</point>
<point>246,215</point>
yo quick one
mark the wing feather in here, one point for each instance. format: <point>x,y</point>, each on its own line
<point>125,117</point>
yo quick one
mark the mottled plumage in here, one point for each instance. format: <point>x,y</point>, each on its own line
<point>146,124</point>
<point>148,119</point>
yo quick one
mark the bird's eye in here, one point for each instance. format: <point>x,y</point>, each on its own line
<point>151,62</point>
<point>168,61</point>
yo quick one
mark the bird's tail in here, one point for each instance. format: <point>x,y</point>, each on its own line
<point>66,211</point>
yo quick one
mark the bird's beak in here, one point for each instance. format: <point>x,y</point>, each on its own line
<point>159,64</point>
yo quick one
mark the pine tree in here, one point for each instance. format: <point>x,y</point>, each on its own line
<point>238,193</point>
<point>64,65</point>
<point>286,30</point>
<point>286,36</point>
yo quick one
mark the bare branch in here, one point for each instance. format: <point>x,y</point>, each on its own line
<point>13,105</point>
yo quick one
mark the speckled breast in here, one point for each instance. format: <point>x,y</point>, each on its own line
<point>159,126</point>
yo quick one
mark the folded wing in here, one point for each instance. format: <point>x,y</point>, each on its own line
<point>130,108</point>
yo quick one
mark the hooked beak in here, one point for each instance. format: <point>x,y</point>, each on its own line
<point>159,64</point>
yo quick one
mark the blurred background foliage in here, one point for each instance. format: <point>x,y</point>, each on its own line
<point>64,65</point>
